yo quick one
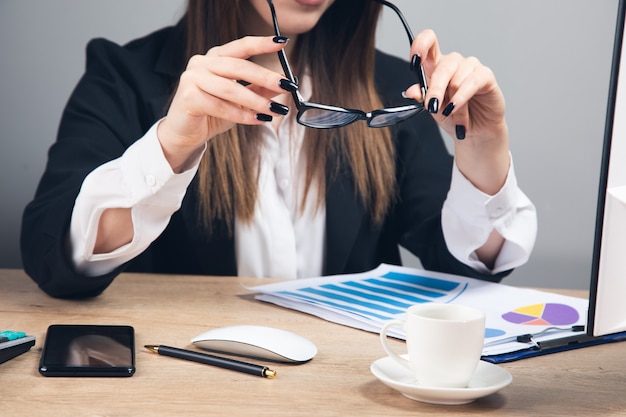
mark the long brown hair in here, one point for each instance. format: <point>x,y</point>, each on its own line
<point>339,54</point>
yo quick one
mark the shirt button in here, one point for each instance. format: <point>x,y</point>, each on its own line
<point>284,183</point>
<point>497,212</point>
<point>150,180</point>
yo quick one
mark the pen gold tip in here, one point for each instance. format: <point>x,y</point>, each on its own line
<point>152,348</point>
<point>268,373</point>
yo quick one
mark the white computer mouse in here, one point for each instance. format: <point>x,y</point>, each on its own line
<point>257,342</point>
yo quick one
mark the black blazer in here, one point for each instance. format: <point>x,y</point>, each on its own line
<point>124,91</point>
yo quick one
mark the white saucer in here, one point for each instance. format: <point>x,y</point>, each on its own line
<point>488,379</point>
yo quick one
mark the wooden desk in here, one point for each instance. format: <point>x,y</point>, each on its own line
<point>337,382</point>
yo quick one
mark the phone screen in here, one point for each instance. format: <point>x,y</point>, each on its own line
<point>88,350</point>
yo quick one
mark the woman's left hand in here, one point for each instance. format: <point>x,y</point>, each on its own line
<point>465,99</point>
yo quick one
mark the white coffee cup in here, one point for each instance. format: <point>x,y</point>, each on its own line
<point>444,343</point>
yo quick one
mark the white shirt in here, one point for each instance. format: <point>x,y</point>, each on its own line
<point>280,242</point>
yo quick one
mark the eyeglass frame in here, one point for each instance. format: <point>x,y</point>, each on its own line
<point>303,105</point>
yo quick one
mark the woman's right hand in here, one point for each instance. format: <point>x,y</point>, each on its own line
<point>209,100</point>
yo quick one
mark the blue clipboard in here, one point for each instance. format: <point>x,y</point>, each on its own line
<point>554,346</point>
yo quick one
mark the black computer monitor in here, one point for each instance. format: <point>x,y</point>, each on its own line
<point>607,304</point>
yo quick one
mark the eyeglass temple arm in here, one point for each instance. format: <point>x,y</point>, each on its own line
<point>283,58</point>
<point>420,70</point>
<point>395,8</point>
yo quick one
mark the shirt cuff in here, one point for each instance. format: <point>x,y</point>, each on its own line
<point>140,179</point>
<point>469,216</point>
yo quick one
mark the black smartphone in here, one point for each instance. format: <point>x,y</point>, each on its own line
<point>88,350</point>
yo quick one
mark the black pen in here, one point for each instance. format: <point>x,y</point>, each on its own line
<point>232,364</point>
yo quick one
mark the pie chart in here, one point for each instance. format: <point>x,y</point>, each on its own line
<point>548,314</point>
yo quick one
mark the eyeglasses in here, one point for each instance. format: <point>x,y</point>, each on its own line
<point>322,116</point>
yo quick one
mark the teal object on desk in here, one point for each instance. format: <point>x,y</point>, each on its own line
<point>13,344</point>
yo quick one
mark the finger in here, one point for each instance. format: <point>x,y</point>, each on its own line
<point>481,98</point>
<point>439,89</point>
<point>425,53</point>
<point>193,104</point>
<point>263,92</point>
<point>474,99</point>
<point>470,79</point>
<point>239,69</point>
<point>233,92</point>
<point>453,87</point>
<point>426,45</point>
<point>229,112</point>
<point>248,46</point>
<point>460,90</point>
<point>471,82</point>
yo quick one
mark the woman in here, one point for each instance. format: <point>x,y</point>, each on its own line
<point>180,153</point>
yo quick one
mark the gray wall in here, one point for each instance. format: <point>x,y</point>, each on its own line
<point>551,58</point>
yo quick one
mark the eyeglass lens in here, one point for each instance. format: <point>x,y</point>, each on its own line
<point>388,119</point>
<point>314,117</point>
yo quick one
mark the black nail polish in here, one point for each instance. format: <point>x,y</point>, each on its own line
<point>460,132</point>
<point>288,85</point>
<point>280,39</point>
<point>278,108</point>
<point>264,117</point>
<point>433,105</point>
<point>449,108</point>
<point>416,61</point>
